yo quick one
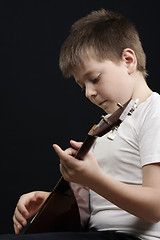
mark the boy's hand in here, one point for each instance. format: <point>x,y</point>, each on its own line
<point>74,170</point>
<point>27,206</point>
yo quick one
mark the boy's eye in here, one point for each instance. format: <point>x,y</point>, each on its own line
<point>95,80</point>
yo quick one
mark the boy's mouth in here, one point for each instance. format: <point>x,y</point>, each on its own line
<point>101,103</point>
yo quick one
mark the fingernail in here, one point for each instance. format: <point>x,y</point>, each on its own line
<point>24,223</point>
<point>18,226</point>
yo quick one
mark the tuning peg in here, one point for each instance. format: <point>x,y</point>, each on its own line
<point>134,107</point>
<point>105,119</point>
<point>112,134</point>
<point>120,105</point>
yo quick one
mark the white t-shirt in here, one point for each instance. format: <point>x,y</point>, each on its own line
<point>135,145</point>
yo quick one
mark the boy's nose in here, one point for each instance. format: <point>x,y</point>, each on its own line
<point>90,93</point>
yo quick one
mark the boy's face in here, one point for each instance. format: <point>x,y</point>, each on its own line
<point>105,83</point>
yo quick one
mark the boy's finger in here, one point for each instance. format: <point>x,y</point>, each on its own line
<point>64,154</point>
<point>75,144</point>
<point>21,209</point>
<point>58,150</point>
<point>19,218</point>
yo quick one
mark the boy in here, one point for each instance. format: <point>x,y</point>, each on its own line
<point>104,54</point>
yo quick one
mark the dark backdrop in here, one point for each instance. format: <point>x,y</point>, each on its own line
<point>38,106</point>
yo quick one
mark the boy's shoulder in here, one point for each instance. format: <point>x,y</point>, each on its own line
<point>148,112</point>
<point>151,106</point>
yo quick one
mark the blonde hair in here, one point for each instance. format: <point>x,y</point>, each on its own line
<point>104,33</point>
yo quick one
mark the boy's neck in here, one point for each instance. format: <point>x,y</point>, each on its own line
<point>142,90</point>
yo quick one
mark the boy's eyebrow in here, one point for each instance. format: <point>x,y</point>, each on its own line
<point>87,74</point>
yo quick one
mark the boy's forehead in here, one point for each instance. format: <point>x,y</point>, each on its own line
<point>87,62</point>
<point>86,68</point>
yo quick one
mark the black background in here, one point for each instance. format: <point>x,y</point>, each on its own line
<point>38,106</point>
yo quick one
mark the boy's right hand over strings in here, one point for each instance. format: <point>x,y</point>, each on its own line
<point>27,206</point>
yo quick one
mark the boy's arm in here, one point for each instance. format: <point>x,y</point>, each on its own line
<point>143,202</point>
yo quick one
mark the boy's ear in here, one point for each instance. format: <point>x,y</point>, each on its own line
<point>129,59</point>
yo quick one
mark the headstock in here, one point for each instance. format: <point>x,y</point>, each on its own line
<point>105,125</point>
<point>114,120</point>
